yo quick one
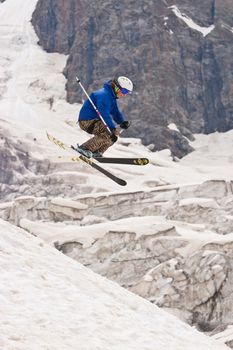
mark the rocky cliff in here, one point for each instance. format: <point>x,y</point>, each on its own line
<point>181,73</point>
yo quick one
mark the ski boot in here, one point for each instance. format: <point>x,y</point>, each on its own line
<point>84,152</point>
<point>97,154</point>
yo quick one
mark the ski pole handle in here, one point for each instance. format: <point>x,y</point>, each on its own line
<point>93,105</point>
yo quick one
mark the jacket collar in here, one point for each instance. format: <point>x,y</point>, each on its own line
<point>108,87</point>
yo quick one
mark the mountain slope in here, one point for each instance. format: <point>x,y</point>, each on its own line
<point>33,101</point>
<point>48,301</point>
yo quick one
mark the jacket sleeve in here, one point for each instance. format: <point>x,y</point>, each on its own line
<point>104,107</point>
<point>117,115</point>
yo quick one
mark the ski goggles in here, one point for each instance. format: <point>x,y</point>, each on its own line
<point>122,90</point>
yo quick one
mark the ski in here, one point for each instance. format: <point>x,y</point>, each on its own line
<point>88,161</point>
<point>111,176</point>
<point>115,160</point>
<point>132,161</point>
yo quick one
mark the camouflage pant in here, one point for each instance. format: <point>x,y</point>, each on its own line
<point>102,139</point>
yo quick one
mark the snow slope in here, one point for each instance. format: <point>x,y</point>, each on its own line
<point>32,101</point>
<point>49,301</point>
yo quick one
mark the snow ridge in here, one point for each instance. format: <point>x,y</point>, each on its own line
<point>203,30</point>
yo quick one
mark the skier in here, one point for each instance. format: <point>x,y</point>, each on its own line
<point>105,102</point>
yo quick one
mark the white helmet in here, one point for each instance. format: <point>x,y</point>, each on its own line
<point>125,83</point>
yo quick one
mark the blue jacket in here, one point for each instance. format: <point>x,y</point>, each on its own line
<point>105,101</point>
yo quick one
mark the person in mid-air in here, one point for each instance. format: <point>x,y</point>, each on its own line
<point>105,133</point>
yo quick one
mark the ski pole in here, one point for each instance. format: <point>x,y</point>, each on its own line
<point>93,105</point>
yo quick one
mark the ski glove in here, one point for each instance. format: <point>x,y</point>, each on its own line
<point>125,125</point>
<point>114,136</point>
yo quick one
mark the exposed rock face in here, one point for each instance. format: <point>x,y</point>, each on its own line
<point>179,75</point>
